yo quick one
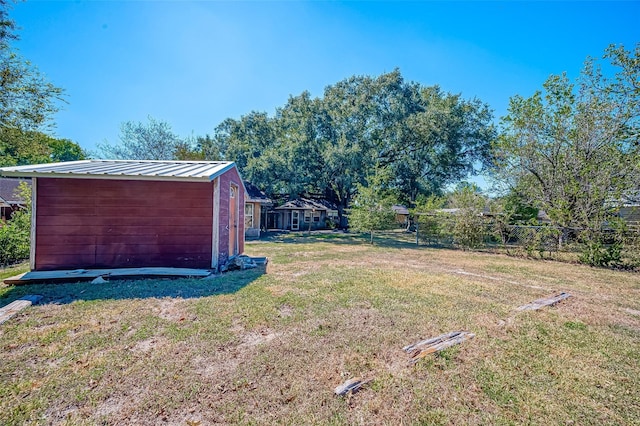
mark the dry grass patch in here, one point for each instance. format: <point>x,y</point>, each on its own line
<point>252,348</point>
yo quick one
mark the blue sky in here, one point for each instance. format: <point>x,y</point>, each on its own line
<point>193,64</point>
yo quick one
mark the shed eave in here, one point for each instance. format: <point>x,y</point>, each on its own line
<point>124,176</point>
<point>110,177</point>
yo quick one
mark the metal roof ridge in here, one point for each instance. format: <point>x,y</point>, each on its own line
<point>41,165</point>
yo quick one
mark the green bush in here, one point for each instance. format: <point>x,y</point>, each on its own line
<point>14,238</point>
<point>15,234</point>
<point>468,229</point>
<point>595,253</point>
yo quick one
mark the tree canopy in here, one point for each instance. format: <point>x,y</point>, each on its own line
<point>18,147</point>
<point>27,99</point>
<point>27,104</point>
<point>153,140</point>
<point>421,138</point>
<point>573,149</point>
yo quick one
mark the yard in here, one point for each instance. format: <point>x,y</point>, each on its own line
<point>263,348</point>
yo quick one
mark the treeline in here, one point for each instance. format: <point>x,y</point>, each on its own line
<point>412,139</point>
<point>27,103</point>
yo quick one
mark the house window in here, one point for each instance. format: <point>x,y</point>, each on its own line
<point>248,216</point>
<point>316,216</point>
<point>307,216</point>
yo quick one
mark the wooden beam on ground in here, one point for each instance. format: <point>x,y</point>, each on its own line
<point>541,303</point>
<point>17,305</point>
<point>119,273</point>
<point>436,344</point>
<point>350,386</point>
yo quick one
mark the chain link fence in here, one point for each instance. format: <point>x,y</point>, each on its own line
<point>608,247</point>
<point>528,237</point>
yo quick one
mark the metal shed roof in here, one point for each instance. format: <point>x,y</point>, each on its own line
<point>195,171</point>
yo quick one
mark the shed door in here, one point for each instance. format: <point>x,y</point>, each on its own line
<point>233,221</point>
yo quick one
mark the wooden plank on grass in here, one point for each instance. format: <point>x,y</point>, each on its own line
<point>546,301</point>
<point>90,274</point>
<point>351,385</point>
<point>17,305</point>
<point>436,344</point>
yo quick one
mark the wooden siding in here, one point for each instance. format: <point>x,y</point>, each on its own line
<point>226,180</point>
<point>95,223</point>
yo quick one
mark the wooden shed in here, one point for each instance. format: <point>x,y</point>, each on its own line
<point>130,214</point>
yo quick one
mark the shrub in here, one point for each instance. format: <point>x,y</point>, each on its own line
<point>14,238</point>
<point>15,233</point>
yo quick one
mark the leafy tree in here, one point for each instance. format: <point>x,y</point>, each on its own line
<point>573,149</point>
<point>371,211</point>
<point>27,103</point>
<point>299,153</point>
<point>65,150</point>
<point>154,140</point>
<point>431,224</point>
<point>15,234</point>
<point>19,147</point>
<point>27,99</point>
<point>469,226</point>
<point>438,141</point>
<point>417,138</point>
<point>206,146</point>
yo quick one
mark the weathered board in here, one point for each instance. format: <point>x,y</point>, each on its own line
<point>16,306</point>
<point>541,303</point>
<point>425,347</point>
<point>350,386</point>
<point>90,274</point>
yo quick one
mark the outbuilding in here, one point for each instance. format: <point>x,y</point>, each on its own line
<point>305,214</point>
<point>255,210</point>
<point>98,214</point>
<point>10,198</point>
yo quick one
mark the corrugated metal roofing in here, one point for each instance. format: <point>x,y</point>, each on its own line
<point>125,169</point>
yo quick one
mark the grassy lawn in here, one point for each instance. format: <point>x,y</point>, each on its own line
<point>264,348</point>
<point>14,270</point>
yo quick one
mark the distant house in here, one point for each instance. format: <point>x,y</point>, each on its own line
<point>10,200</point>
<point>402,214</point>
<point>255,210</point>
<point>304,214</point>
<point>103,214</point>
<point>630,213</point>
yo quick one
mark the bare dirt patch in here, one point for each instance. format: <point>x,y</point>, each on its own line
<point>172,309</point>
<point>147,345</point>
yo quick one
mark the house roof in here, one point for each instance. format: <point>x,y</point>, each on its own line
<point>306,204</point>
<point>254,195</point>
<point>195,171</point>
<point>398,209</point>
<point>8,193</point>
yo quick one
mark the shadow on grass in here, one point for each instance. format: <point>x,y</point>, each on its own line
<point>63,293</point>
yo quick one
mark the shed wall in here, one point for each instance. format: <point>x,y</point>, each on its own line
<point>226,180</point>
<point>95,223</point>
